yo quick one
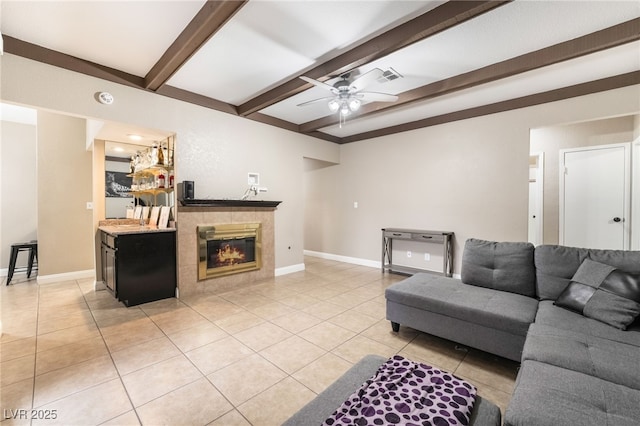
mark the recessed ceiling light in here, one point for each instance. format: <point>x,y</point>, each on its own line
<point>134,137</point>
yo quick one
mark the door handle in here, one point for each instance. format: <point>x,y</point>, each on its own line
<point>617,219</point>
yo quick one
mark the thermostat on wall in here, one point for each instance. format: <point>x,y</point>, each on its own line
<point>253,179</point>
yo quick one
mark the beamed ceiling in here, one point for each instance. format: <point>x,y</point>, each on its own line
<point>457,59</point>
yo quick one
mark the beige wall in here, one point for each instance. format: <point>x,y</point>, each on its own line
<point>469,177</point>
<point>551,140</point>
<point>214,149</point>
<point>19,202</point>
<point>65,226</point>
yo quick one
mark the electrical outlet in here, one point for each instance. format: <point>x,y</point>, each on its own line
<point>408,253</point>
<point>89,205</point>
<point>427,256</point>
<point>355,204</point>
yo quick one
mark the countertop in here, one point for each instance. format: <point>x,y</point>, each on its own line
<point>132,229</point>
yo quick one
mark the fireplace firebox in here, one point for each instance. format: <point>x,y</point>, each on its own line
<point>228,249</point>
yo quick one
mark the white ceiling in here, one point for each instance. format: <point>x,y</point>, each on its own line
<point>268,42</point>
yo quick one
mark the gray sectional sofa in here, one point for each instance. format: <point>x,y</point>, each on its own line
<point>569,315</point>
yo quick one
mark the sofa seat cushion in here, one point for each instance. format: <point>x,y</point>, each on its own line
<point>554,316</point>
<point>500,310</point>
<point>611,361</point>
<point>549,395</point>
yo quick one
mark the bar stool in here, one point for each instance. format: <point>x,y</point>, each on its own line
<point>32,247</point>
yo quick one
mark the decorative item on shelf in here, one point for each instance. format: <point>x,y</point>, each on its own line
<point>160,179</point>
<point>153,154</point>
<point>163,220</point>
<point>155,214</point>
<point>161,151</point>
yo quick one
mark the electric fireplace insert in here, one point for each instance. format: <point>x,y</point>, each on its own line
<point>228,249</point>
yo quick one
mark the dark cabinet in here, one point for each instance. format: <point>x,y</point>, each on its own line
<point>139,267</point>
<point>109,267</point>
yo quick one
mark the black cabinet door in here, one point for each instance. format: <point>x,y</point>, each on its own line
<point>146,267</point>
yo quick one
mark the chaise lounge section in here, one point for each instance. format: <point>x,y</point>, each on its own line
<point>490,309</point>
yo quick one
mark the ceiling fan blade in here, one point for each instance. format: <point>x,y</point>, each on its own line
<point>377,97</point>
<point>365,79</point>
<point>320,84</point>
<point>327,99</point>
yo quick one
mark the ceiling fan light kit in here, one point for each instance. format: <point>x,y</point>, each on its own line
<point>348,96</point>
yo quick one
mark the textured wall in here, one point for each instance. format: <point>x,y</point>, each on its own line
<point>469,177</point>
<point>65,226</point>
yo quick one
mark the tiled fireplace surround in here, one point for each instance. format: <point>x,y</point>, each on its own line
<point>188,220</point>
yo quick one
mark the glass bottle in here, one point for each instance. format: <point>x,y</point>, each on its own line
<point>161,179</point>
<point>161,155</point>
<point>154,154</point>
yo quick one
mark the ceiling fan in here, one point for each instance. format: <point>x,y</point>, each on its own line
<point>347,96</point>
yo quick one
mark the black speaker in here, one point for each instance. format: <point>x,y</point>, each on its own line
<point>186,190</point>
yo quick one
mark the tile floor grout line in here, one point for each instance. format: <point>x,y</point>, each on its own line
<point>126,391</point>
<point>35,354</point>
<point>182,353</point>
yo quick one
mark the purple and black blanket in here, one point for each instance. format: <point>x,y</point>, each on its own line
<point>404,392</point>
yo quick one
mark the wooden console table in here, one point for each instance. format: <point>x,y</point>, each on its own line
<point>435,237</point>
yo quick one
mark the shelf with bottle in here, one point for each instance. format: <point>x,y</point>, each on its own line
<point>157,179</point>
<point>152,169</point>
<point>157,155</point>
<point>151,191</point>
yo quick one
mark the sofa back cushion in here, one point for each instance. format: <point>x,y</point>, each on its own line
<point>506,266</point>
<point>556,265</point>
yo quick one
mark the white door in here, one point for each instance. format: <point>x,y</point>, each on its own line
<point>594,197</point>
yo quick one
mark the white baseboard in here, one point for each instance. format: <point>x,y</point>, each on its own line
<point>346,259</point>
<point>289,269</point>
<point>76,275</point>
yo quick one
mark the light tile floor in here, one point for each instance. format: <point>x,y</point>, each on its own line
<point>251,356</point>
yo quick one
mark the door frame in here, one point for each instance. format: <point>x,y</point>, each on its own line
<point>635,195</point>
<point>626,226</point>
<point>539,195</point>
